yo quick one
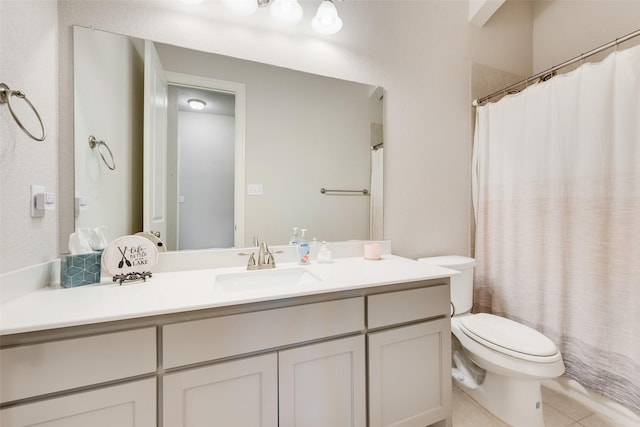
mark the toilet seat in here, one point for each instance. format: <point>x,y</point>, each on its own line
<point>508,337</point>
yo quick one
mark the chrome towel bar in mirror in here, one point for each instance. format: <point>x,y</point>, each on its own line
<point>327,191</point>
<point>93,142</point>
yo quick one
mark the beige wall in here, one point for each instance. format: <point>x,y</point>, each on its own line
<point>563,29</point>
<point>420,51</point>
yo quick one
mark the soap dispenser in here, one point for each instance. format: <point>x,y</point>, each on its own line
<point>303,248</point>
<point>293,241</point>
<point>324,254</point>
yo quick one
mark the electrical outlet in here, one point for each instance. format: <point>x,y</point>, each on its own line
<point>80,203</point>
<point>254,190</point>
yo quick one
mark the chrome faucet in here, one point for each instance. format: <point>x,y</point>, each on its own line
<point>265,257</point>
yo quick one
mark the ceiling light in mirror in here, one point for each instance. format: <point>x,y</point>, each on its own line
<point>241,7</point>
<point>327,20</point>
<point>287,11</point>
<point>196,104</point>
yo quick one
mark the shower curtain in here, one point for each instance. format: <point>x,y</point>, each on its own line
<point>376,209</point>
<point>557,205</point>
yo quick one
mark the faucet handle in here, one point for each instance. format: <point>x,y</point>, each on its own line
<point>251,263</point>
<point>270,260</point>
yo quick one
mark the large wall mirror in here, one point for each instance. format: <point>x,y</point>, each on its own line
<point>212,150</point>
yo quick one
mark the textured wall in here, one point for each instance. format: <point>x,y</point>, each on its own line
<point>28,62</point>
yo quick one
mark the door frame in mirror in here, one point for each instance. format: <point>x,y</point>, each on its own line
<point>239,90</point>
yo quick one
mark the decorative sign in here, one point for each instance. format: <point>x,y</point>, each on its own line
<point>130,258</point>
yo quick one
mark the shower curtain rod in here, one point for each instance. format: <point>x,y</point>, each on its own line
<point>549,72</point>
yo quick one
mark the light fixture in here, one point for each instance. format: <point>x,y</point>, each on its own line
<point>287,11</point>
<point>196,104</point>
<point>326,20</point>
<point>241,7</point>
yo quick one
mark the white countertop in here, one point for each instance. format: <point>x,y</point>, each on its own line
<point>174,292</point>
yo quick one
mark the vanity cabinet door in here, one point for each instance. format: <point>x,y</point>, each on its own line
<point>127,405</point>
<point>239,393</point>
<point>323,384</point>
<point>409,374</point>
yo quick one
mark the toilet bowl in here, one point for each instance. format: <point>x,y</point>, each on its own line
<point>497,361</point>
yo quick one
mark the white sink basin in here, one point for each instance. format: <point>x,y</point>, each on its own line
<point>261,280</point>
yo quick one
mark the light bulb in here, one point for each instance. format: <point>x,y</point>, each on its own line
<point>287,11</point>
<point>327,20</point>
<point>241,7</point>
<point>196,104</point>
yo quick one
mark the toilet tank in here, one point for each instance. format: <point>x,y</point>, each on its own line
<point>461,284</point>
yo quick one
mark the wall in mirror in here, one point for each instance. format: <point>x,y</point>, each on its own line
<point>108,104</point>
<point>298,133</point>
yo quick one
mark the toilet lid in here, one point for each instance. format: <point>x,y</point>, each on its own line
<point>506,336</point>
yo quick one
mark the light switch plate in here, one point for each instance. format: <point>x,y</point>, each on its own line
<point>254,190</point>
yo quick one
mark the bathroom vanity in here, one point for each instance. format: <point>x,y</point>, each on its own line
<point>363,343</point>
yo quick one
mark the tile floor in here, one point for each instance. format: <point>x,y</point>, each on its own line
<point>559,411</point>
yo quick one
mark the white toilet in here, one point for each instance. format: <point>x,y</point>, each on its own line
<point>497,361</point>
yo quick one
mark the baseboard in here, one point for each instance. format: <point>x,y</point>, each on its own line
<point>617,413</point>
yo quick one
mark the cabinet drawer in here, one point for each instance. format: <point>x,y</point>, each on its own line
<point>209,339</point>
<point>125,405</point>
<point>32,370</point>
<point>406,306</point>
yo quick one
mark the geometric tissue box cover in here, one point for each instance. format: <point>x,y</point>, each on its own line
<point>82,269</point>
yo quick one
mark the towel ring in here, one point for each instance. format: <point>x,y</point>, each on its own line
<point>93,142</point>
<point>5,98</point>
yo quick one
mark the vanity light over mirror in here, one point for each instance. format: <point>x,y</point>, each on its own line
<point>250,162</point>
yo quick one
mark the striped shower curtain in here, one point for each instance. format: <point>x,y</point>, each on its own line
<point>376,211</point>
<point>557,205</point>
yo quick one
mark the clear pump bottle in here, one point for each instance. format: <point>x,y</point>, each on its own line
<point>293,241</point>
<point>324,254</point>
<point>303,248</point>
